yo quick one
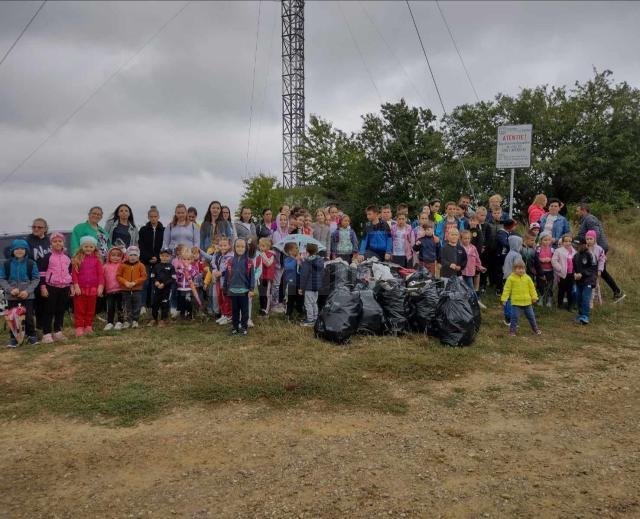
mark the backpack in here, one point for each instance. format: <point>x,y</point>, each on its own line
<point>7,269</point>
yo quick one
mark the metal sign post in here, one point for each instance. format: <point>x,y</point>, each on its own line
<point>513,151</point>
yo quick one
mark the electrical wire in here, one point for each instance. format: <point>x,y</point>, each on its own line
<point>253,88</point>
<point>455,45</point>
<point>435,84</point>
<point>94,93</point>
<point>375,86</point>
<point>6,54</point>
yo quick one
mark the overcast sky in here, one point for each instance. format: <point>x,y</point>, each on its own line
<point>173,125</point>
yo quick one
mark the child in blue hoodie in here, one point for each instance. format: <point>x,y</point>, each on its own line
<point>376,240</point>
<point>19,278</point>
<point>240,282</point>
<point>291,279</point>
<point>310,282</point>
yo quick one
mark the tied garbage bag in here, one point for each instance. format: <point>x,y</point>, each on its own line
<point>454,315</point>
<point>336,273</point>
<point>372,320</point>
<point>391,297</point>
<point>420,275</point>
<point>340,316</point>
<point>364,274</point>
<point>423,303</point>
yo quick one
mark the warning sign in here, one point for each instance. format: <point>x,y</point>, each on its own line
<point>514,146</point>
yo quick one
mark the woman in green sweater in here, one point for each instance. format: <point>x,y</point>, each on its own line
<point>91,228</point>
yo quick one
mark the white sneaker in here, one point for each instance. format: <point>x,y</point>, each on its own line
<point>143,310</point>
<point>173,313</point>
<point>134,324</point>
<point>108,327</point>
<point>224,320</point>
<point>219,319</point>
<point>126,325</point>
<point>118,326</point>
<point>250,323</point>
<point>482,305</point>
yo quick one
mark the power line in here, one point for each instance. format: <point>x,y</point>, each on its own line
<point>375,86</point>
<point>253,87</point>
<point>6,54</point>
<point>94,94</point>
<point>458,51</point>
<point>435,84</point>
<point>426,57</point>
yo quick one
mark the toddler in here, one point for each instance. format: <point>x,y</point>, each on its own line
<point>310,282</point>
<point>131,275</point>
<point>55,289</point>
<point>87,276</point>
<point>163,277</point>
<point>113,294</point>
<point>520,292</point>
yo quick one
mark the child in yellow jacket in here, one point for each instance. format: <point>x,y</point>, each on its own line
<point>519,293</point>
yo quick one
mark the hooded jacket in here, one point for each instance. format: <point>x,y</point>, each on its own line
<point>21,274</point>
<point>57,271</point>
<point>311,273</point>
<point>111,284</point>
<point>559,260</point>
<point>150,242</point>
<point>474,265</point>
<point>515,246</point>
<point>240,277</point>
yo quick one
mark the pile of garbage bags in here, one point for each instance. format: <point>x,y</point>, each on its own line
<point>373,298</point>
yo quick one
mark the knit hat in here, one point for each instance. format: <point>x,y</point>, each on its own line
<point>88,239</point>
<point>56,236</point>
<point>591,234</point>
<point>133,251</point>
<point>545,233</point>
<point>534,225</point>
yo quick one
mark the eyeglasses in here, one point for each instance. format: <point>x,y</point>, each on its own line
<point>96,214</point>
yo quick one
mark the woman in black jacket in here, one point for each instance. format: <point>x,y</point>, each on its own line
<point>150,243</point>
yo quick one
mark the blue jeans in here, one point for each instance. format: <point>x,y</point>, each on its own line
<point>468,280</point>
<point>529,314</point>
<point>507,310</point>
<point>583,300</point>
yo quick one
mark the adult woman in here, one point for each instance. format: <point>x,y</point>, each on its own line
<point>180,231</point>
<point>553,222</point>
<point>121,228</point>
<point>245,228</point>
<point>39,247</point>
<point>91,228</point>
<point>226,215</point>
<point>214,225</point>
<point>264,230</point>
<point>537,209</point>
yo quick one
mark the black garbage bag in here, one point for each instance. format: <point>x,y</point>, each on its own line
<point>391,296</point>
<point>372,319</point>
<point>420,276</point>
<point>336,274</point>
<point>454,315</point>
<point>423,303</point>
<point>340,317</point>
<point>364,274</point>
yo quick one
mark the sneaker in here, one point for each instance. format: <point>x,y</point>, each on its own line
<point>537,331</point>
<point>233,331</point>
<point>118,326</point>
<point>243,332</point>
<point>250,324</point>
<point>506,322</point>
<point>134,324</point>
<point>549,304</point>
<point>79,332</point>
<point>224,320</point>
<point>47,338</point>
<point>143,310</point>
<point>12,343</point>
<point>174,313</point>
<point>619,297</point>
<point>151,323</point>
<point>482,305</point>
<point>126,325</point>
<point>88,330</point>
<point>263,313</point>
<point>307,323</point>
<point>59,336</point>
<point>219,319</point>
<point>34,340</point>
<point>108,327</point>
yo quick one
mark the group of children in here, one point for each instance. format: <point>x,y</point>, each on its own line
<point>222,280</point>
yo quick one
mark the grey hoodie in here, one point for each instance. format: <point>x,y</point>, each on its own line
<point>515,246</point>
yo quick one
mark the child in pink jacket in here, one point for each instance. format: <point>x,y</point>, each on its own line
<point>88,284</point>
<point>471,273</point>
<point>55,289</point>
<point>112,289</point>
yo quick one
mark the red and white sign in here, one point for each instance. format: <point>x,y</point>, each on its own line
<point>514,146</point>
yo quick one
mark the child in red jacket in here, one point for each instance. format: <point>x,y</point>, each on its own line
<point>88,284</point>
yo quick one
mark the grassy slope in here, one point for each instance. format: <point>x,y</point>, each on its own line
<point>120,378</point>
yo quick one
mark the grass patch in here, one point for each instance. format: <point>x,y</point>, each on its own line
<point>537,382</point>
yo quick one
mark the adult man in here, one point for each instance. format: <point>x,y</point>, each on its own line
<point>589,222</point>
<point>464,202</point>
<point>553,222</point>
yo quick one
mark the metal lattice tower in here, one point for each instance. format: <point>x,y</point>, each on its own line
<point>292,90</point>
